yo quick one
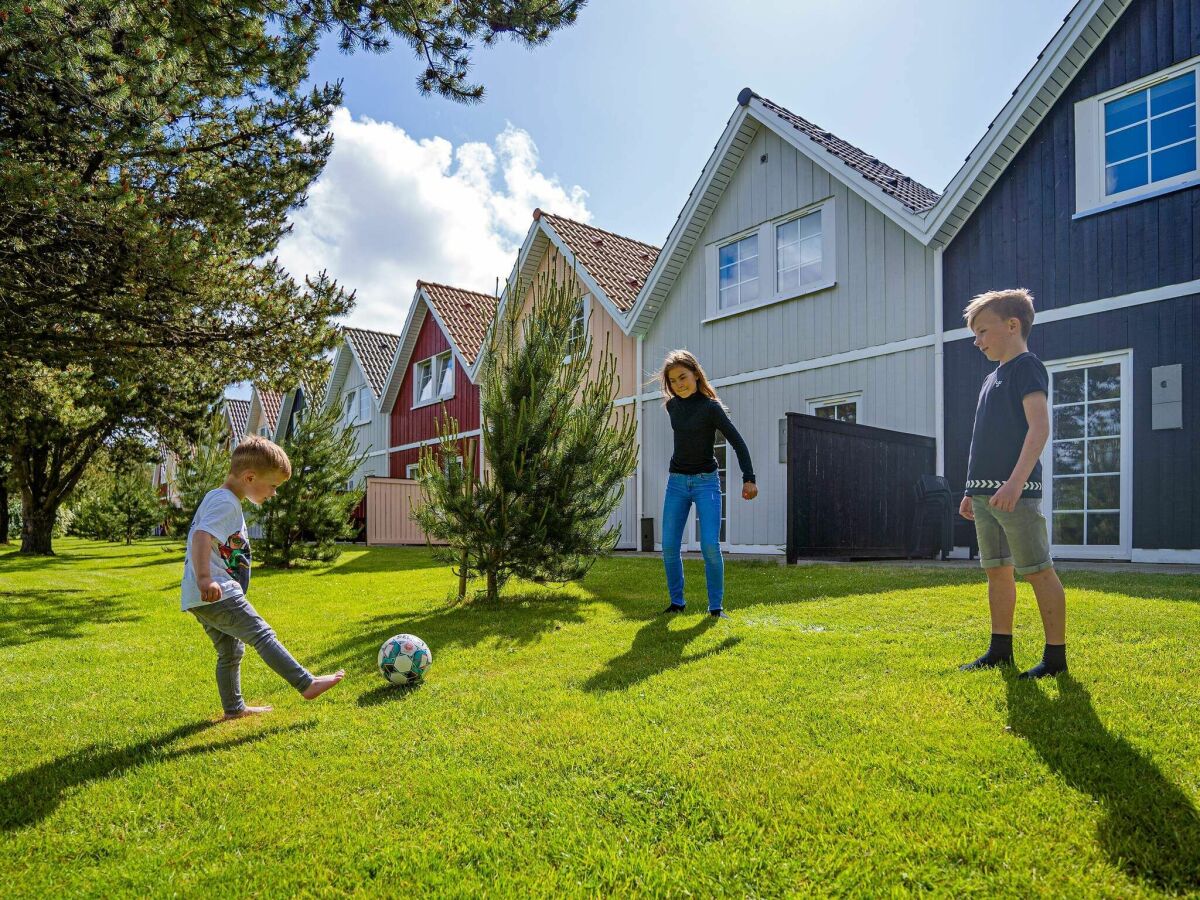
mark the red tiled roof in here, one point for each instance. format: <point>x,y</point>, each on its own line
<point>271,402</point>
<point>619,265</point>
<point>374,350</point>
<point>239,415</point>
<point>892,182</point>
<point>466,314</point>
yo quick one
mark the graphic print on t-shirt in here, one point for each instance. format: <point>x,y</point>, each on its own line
<point>235,554</point>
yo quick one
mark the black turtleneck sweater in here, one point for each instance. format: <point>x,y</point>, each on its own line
<point>695,420</point>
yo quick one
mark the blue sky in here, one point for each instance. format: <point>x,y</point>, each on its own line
<point>629,101</point>
<point>612,121</point>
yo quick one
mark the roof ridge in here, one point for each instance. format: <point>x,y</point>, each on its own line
<point>370,331</point>
<point>423,283</point>
<point>829,135</point>
<point>538,213</point>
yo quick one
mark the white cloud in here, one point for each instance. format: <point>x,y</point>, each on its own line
<point>389,209</point>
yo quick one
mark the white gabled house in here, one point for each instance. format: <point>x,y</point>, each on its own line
<point>798,274</point>
<point>356,384</point>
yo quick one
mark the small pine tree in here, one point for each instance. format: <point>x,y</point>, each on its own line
<point>311,510</point>
<point>557,452</point>
<point>136,507</point>
<point>201,468</point>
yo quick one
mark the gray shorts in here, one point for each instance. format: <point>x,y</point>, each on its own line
<point>1012,538</point>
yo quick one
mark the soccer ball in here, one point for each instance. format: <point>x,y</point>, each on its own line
<point>404,659</point>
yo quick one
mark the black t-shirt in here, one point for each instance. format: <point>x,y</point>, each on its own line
<point>695,421</point>
<point>1001,426</point>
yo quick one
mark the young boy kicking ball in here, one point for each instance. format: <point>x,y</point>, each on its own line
<point>216,577</point>
<point>1004,479</point>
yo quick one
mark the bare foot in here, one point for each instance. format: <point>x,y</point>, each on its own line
<point>321,684</point>
<point>247,711</point>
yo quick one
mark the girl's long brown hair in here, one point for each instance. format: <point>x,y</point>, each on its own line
<point>688,361</point>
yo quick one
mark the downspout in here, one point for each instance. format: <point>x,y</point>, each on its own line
<point>637,486</point>
<point>939,373</point>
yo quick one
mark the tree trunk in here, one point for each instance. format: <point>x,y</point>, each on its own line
<point>37,527</point>
<point>4,523</point>
<point>491,584</point>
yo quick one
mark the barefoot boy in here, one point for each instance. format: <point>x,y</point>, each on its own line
<point>1004,479</point>
<point>216,576</point>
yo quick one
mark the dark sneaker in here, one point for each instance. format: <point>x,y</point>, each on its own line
<point>674,608</point>
<point>718,614</point>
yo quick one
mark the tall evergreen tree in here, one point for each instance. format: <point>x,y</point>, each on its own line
<point>311,510</point>
<point>557,452</point>
<point>152,153</point>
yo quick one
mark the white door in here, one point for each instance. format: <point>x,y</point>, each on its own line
<point>720,450</point>
<point>1086,467</point>
<point>624,517</point>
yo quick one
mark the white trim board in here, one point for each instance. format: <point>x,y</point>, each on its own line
<point>425,443</point>
<point>819,362</point>
<point>1190,557</point>
<point>1108,304</point>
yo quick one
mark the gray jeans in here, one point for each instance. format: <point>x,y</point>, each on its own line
<point>232,623</point>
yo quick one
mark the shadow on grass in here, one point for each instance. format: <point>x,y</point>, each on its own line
<point>1144,586</point>
<point>638,587</point>
<point>28,797</point>
<point>514,619</point>
<point>29,616</point>
<point>1150,828</point>
<point>656,648</point>
<point>389,693</point>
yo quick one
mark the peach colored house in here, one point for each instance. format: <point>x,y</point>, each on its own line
<point>609,270</point>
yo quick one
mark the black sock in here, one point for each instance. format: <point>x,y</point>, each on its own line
<point>999,653</point>
<point>1054,662</point>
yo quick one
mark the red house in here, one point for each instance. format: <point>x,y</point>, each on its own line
<point>431,375</point>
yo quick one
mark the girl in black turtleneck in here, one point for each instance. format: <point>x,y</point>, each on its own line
<point>696,415</point>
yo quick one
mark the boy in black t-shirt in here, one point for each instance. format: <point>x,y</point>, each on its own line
<point>1004,479</point>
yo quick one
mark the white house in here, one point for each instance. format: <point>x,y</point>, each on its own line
<point>356,384</point>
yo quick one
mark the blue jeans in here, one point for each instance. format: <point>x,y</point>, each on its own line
<point>682,492</point>
<point>230,624</point>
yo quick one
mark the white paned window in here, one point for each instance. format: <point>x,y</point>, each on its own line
<point>410,471</point>
<point>446,380</point>
<point>578,327</point>
<point>452,462</point>
<point>798,253</point>
<point>1138,140</point>
<point>364,405</point>
<point>737,274</point>
<point>843,408</point>
<point>423,381</point>
<point>780,260</point>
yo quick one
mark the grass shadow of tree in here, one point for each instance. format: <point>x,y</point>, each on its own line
<point>28,797</point>
<point>513,619</point>
<point>1150,828</point>
<point>656,648</point>
<point>30,616</point>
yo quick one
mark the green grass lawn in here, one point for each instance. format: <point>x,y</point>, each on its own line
<point>569,742</point>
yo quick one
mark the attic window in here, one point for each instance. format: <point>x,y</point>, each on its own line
<point>1137,141</point>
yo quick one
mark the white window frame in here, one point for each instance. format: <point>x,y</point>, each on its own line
<point>583,317</point>
<point>1124,549</point>
<point>436,367</point>
<point>768,275</point>
<point>854,397</point>
<point>1090,196</point>
<point>410,471</point>
<point>365,404</point>
<point>457,457</point>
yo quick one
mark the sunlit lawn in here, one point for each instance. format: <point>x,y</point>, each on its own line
<point>571,742</point>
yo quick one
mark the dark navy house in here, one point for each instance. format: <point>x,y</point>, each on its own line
<point>1094,205</point>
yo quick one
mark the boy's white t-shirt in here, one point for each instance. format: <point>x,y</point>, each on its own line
<point>220,515</point>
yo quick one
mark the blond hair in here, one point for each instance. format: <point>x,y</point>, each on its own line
<point>260,456</point>
<point>1011,303</point>
<point>688,361</point>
